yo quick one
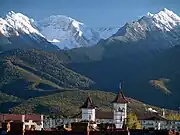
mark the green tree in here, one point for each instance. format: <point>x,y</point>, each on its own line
<point>173,116</point>
<point>132,122</point>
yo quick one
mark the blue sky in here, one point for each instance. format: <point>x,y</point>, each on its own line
<point>94,13</point>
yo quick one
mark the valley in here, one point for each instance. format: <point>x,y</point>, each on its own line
<point>38,74</point>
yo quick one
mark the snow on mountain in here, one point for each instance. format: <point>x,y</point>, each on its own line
<point>107,32</point>
<point>66,32</point>
<point>163,25</point>
<point>17,30</point>
<point>165,20</point>
<point>60,30</point>
<point>16,23</point>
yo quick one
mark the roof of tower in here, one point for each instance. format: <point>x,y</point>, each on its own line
<point>120,98</point>
<point>88,104</point>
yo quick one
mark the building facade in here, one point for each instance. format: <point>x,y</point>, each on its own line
<point>90,112</point>
<point>120,109</point>
<point>30,122</point>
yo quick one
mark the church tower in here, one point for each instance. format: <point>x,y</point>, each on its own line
<point>120,109</point>
<point>88,110</point>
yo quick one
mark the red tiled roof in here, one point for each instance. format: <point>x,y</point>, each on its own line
<point>104,114</point>
<point>99,115</point>
<point>88,104</point>
<point>152,116</point>
<point>10,117</point>
<point>18,117</point>
<point>120,98</point>
<point>34,117</point>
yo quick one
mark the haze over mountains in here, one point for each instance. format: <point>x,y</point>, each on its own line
<point>144,54</point>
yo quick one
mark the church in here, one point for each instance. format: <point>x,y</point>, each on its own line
<point>118,115</point>
<point>92,113</point>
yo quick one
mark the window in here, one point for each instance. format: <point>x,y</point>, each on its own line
<point>26,127</point>
<point>121,109</point>
<point>33,127</point>
<point>121,118</point>
<point>89,117</point>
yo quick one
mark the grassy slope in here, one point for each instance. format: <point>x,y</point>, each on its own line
<point>67,103</point>
<point>135,67</point>
<point>8,98</point>
<point>7,102</point>
<point>36,70</point>
<point>33,67</point>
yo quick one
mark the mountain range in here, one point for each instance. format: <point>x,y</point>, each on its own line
<point>59,52</point>
<point>66,32</point>
<point>61,31</point>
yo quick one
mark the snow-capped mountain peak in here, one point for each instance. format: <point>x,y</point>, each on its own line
<point>165,19</point>
<point>3,26</point>
<point>66,32</point>
<point>162,25</point>
<point>19,31</point>
<point>60,22</point>
<point>21,23</point>
<point>60,30</point>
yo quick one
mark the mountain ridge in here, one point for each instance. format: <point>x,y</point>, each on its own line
<point>141,59</point>
<point>162,26</point>
<point>57,30</point>
<point>66,32</point>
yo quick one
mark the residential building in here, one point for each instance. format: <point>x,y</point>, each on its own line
<point>31,122</point>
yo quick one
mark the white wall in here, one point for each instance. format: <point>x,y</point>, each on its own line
<point>31,123</point>
<point>104,121</point>
<point>153,124</point>
<point>119,117</point>
<point>53,123</point>
<point>88,114</point>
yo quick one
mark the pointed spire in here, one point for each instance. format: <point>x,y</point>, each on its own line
<point>120,98</point>
<point>88,104</point>
<point>120,85</point>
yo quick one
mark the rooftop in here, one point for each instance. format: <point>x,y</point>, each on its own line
<point>88,104</point>
<point>120,98</point>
